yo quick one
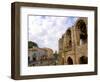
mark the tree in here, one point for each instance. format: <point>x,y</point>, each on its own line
<point>31,44</point>
<point>55,55</point>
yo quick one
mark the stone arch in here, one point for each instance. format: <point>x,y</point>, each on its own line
<point>69,40</point>
<point>69,61</point>
<point>83,60</point>
<point>81,32</point>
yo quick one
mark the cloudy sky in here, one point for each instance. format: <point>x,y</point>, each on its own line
<point>46,30</point>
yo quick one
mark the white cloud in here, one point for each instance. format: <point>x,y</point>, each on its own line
<point>46,30</point>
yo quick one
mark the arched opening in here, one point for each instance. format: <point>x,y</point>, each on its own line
<point>69,41</point>
<point>69,33</point>
<point>69,61</point>
<point>82,30</point>
<point>83,60</point>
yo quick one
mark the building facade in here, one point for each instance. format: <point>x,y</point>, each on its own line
<point>73,45</point>
<point>39,56</point>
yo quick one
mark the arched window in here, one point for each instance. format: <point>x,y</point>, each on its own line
<point>69,61</point>
<point>82,29</point>
<point>68,34</point>
<point>70,43</point>
<point>83,60</point>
